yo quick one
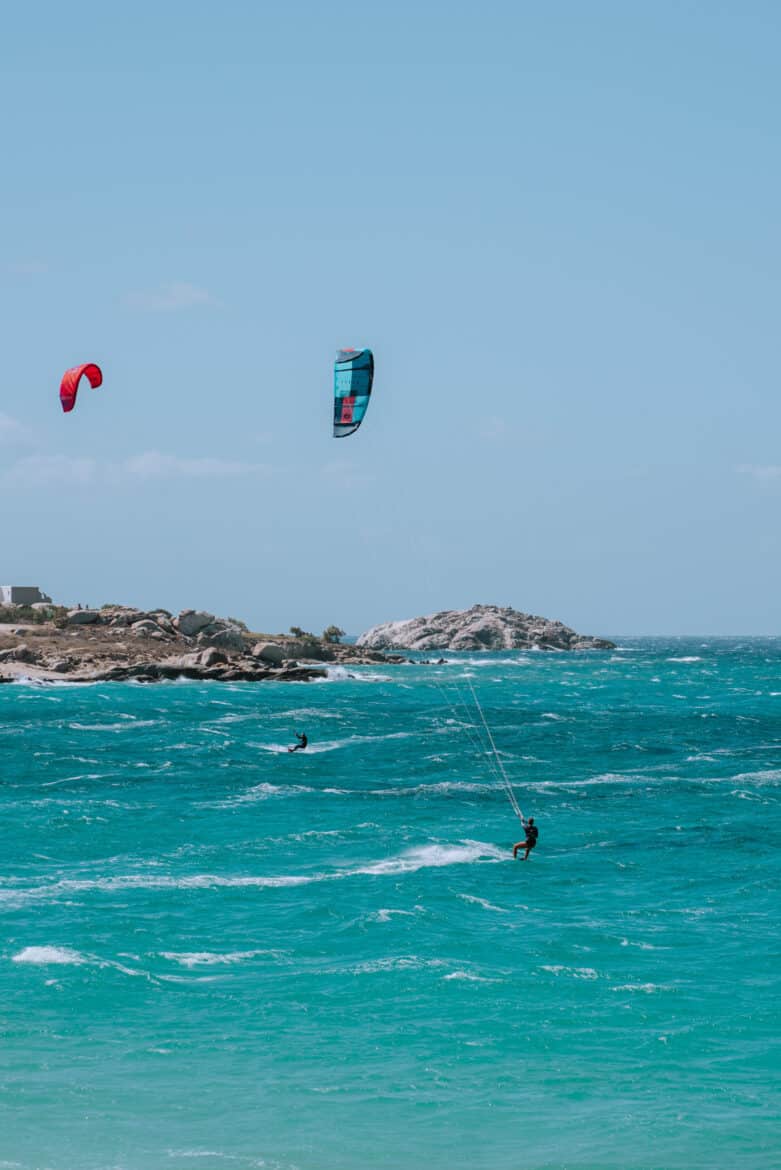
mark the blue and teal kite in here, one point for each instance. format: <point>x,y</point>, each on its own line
<point>353,377</point>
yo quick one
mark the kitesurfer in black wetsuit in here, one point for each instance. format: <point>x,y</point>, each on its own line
<point>299,747</point>
<point>532,833</point>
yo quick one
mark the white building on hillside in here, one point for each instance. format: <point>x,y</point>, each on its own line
<point>22,595</point>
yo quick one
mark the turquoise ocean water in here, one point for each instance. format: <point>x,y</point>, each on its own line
<point>217,954</point>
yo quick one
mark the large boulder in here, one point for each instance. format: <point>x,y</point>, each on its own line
<point>268,652</point>
<point>483,627</point>
<point>146,628</point>
<point>125,616</point>
<point>20,653</point>
<point>190,622</point>
<point>211,656</point>
<point>222,634</point>
<point>163,619</point>
<point>60,665</point>
<point>83,617</point>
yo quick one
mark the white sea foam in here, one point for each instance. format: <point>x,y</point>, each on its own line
<point>49,955</point>
<point>685,658</point>
<point>421,857</point>
<point>647,988</point>
<point>264,791</point>
<point>306,713</point>
<point>341,674</point>
<point>212,958</point>
<point>574,972</point>
<point>80,776</point>
<point>315,834</point>
<point>771,776</point>
<point>395,963</point>
<point>442,786</point>
<point>130,724</point>
<point>387,915</point>
<point>468,977</point>
<point>482,902</point>
<point>434,856</point>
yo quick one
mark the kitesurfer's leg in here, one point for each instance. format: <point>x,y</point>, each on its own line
<point>520,845</point>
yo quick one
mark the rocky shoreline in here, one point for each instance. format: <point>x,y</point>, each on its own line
<point>120,643</point>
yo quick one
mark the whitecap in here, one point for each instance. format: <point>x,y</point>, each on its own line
<point>341,674</point>
<point>433,856</point>
<point>575,972</point>
<point>264,791</point>
<point>387,915</point>
<point>47,955</point>
<point>123,726</point>
<point>421,857</point>
<point>482,902</point>
<point>468,976</point>
<point>395,963</point>
<point>647,988</point>
<point>211,958</point>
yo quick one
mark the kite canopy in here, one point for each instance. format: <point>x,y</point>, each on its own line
<point>70,383</point>
<point>353,377</point>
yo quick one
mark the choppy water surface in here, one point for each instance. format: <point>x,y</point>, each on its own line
<point>215,953</point>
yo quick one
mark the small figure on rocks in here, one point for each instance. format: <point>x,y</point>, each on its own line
<point>303,741</point>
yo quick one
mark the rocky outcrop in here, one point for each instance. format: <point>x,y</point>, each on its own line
<point>483,627</point>
<point>119,642</point>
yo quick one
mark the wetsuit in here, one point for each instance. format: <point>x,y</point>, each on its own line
<point>532,833</point>
<point>299,746</point>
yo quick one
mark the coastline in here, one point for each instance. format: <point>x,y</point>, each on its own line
<point>120,644</point>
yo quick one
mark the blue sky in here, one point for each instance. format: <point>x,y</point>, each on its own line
<point>557,227</point>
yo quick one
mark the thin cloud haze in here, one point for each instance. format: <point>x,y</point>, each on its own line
<point>170,297</point>
<point>155,465</point>
<point>12,431</point>
<point>42,470</point>
<point>760,471</point>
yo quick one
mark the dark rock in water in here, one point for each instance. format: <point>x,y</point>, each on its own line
<point>483,627</point>
<point>221,672</point>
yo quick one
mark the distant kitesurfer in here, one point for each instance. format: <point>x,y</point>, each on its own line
<point>303,741</point>
<point>532,833</point>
